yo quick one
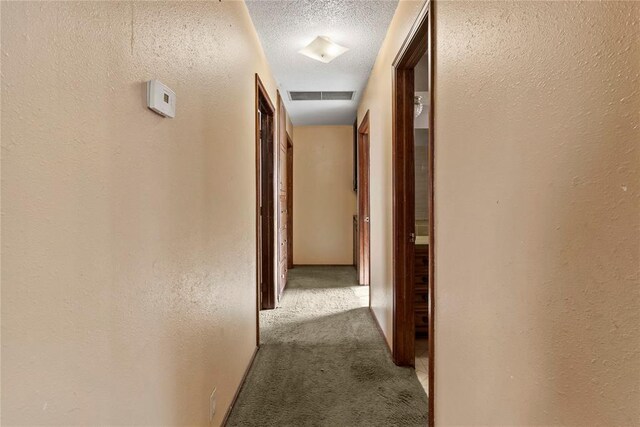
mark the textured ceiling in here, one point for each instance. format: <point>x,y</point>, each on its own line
<point>286,26</point>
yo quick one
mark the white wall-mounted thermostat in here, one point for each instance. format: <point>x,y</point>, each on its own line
<point>161,99</point>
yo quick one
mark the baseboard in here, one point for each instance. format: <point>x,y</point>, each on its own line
<point>282,292</point>
<point>324,265</point>
<point>237,393</point>
<point>384,338</point>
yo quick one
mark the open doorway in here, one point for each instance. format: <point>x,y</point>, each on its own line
<point>421,218</point>
<point>363,239</point>
<point>413,196</point>
<point>265,114</point>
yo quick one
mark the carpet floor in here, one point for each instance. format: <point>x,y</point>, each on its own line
<point>322,362</point>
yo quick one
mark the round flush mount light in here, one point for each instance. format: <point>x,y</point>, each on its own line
<point>323,49</point>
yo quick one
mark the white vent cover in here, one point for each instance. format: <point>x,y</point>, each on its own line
<point>321,96</point>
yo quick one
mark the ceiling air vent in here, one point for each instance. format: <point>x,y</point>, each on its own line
<point>337,96</point>
<point>305,96</point>
<point>321,96</point>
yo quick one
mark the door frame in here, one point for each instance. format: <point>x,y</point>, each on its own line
<point>418,43</point>
<point>364,202</point>
<point>265,258</point>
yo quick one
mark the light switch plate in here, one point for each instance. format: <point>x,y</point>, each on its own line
<point>161,99</point>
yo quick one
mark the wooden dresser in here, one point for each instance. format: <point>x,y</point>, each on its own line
<point>421,290</point>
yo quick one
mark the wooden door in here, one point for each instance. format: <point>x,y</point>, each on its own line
<point>265,114</point>
<point>363,202</point>
<point>289,203</point>
<point>282,226</point>
<point>266,210</point>
<point>283,214</point>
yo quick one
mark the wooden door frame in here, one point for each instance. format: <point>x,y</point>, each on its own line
<point>364,238</point>
<point>418,43</point>
<point>264,261</point>
<point>289,201</point>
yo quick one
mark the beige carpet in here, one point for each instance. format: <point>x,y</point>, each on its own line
<point>322,362</point>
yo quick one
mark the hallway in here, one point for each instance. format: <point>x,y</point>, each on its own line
<point>180,180</point>
<point>323,362</point>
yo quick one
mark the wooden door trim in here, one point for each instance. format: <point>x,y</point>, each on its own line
<point>364,239</point>
<point>418,43</point>
<point>261,95</point>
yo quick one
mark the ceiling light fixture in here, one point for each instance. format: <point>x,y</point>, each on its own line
<point>323,49</point>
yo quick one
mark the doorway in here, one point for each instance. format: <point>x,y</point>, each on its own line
<point>265,247</point>
<point>364,251</point>
<point>413,252</point>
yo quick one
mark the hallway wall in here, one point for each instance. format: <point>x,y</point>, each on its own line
<point>537,210</point>
<point>538,213</point>
<point>323,198</point>
<point>128,250</point>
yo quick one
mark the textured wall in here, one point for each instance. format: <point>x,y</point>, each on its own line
<point>537,210</point>
<point>128,251</point>
<point>537,213</point>
<point>323,198</point>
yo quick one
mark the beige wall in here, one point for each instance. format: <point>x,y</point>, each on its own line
<point>537,210</point>
<point>323,198</point>
<point>128,251</point>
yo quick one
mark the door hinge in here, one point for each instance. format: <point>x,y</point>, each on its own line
<point>412,237</point>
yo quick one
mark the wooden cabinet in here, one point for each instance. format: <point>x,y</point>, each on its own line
<point>421,289</point>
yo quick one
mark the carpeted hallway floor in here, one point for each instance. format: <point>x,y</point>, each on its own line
<point>322,362</point>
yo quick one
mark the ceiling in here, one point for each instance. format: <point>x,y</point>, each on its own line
<point>286,26</point>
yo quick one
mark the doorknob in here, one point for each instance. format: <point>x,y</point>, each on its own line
<point>366,219</point>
